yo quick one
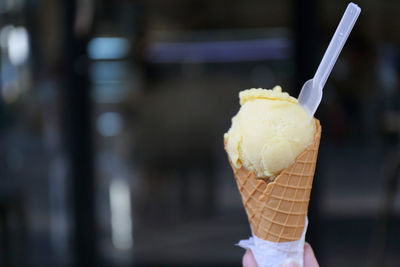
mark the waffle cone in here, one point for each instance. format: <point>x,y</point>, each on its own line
<point>277,210</point>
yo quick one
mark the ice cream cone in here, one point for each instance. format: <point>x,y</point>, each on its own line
<point>277,210</point>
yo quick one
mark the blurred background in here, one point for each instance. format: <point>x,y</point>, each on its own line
<point>112,115</point>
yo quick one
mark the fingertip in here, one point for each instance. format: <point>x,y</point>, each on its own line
<point>308,250</point>
<point>309,256</point>
<point>248,259</point>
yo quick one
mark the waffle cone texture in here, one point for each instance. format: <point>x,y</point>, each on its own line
<point>277,210</point>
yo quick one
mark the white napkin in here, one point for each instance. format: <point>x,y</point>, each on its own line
<point>273,254</point>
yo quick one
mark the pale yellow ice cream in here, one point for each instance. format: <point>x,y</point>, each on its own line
<point>270,130</point>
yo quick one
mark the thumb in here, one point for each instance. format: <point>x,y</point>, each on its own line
<point>249,260</point>
<point>309,257</point>
<point>290,263</point>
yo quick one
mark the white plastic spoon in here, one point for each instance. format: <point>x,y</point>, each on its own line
<point>311,93</point>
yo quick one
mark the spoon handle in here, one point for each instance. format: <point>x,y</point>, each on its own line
<point>335,46</point>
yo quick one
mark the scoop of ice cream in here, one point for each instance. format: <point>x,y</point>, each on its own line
<point>270,130</point>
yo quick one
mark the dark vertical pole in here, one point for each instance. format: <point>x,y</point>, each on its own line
<point>5,239</point>
<point>77,123</point>
<point>305,40</point>
<point>306,44</point>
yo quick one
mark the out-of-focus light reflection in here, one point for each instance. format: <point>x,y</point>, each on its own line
<point>18,45</point>
<point>109,92</point>
<point>121,220</point>
<point>109,71</point>
<point>219,51</point>
<point>108,48</point>
<point>109,124</point>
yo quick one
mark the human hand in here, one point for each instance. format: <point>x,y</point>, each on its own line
<point>309,259</point>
